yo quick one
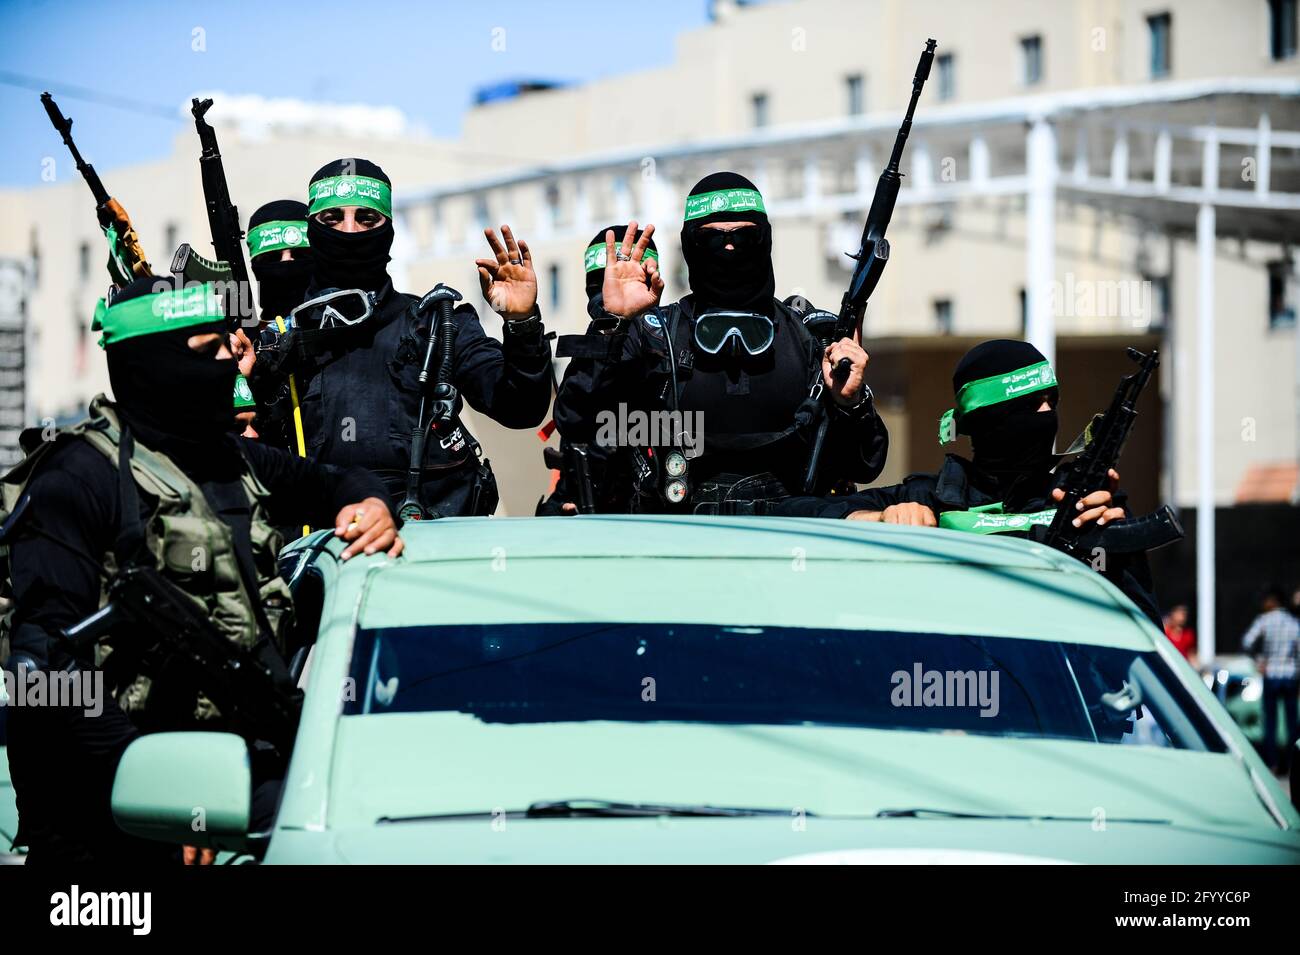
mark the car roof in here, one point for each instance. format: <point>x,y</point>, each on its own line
<point>741,571</point>
<point>620,535</point>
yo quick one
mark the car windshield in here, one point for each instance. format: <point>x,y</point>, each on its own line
<point>701,673</point>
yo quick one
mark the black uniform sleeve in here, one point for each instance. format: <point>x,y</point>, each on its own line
<point>70,521</point>
<point>508,381</point>
<point>304,491</point>
<point>590,386</point>
<point>842,505</point>
<point>857,445</point>
<point>915,489</point>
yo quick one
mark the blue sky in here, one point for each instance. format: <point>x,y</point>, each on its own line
<point>425,58</point>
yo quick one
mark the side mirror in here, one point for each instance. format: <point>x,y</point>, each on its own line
<point>1294,775</point>
<point>185,788</point>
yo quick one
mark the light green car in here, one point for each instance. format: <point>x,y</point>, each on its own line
<point>637,689</point>
<point>9,853</point>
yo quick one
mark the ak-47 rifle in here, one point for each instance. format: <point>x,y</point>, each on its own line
<point>1090,471</point>
<point>223,220</point>
<point>437,412</point>
<point>250,686</point>
<point>126,259</point>
<point>872,256</point>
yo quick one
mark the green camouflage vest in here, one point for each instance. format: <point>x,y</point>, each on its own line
<point>185,538</point>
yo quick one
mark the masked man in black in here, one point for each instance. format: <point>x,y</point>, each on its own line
<point>1006,397</point>
<point>154,479</point>
<point>715,398</point>
<point>281,262</point>
<point>280,256</point>
<point>610,484</point>
<point>358,349</point>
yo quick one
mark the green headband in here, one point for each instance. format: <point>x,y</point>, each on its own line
<point>723,200</point>
<point>335,191</point>
<point>243,394</point>
<point>994,390</point>
<point>159,312</point>
<point>594,258</point>
<point>274,236</point>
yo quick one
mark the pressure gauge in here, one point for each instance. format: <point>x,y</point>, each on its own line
<point>675,491</point>
<point>675,464</point>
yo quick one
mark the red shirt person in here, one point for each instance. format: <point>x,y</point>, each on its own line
<point>1179,633</point>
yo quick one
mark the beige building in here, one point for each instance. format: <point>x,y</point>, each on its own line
<point>1065,158</point>
<point>805,98</point>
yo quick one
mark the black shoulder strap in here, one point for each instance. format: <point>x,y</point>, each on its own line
<point>244,556</point>
<point>130,544</point>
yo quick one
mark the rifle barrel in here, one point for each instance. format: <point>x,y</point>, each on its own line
<point>64,127</point>
<point>918,83</point>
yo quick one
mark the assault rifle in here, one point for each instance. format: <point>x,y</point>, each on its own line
<point>126,259</point>
<point>872,256</point>
<point>166,630</point>
<point>1090,471</point>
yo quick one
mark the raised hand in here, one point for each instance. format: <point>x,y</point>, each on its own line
<point>632,286</point>
<point>849,392</point>
<point>508,281</point>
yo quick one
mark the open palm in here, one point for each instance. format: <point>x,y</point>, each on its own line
<point>508,281</point>
<point>632,283</point>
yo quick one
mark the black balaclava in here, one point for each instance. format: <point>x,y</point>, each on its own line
<point>1010,438</point>
<point>596,276</point>
<point>175,400</point>
<point>350,259</point>
<point>739,279</point>
<point>281,285</point>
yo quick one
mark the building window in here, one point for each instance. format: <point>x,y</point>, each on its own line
<point>553,204</point>
<point>83,260</point>
<point>857,99</point>
<point>555,286</point>
<point>1281,295</point>
<point>1282,28</point>
<point>169,243</point>
<point>1024,313</point>
<point>1031,60</point>
<point>943,316</point>
<point>1158,26</point>
<point>759,103</point>
<point>947,82</point>
<point>481,211</point>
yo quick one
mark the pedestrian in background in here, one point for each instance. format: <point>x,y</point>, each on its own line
<point>1277,634</point>
<point>1180,634</point>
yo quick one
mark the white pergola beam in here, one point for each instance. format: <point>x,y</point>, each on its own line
<point>1040,236</point>
<point>1205,370</point>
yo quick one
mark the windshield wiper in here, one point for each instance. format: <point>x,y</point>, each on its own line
<point>598,809</point>
<point>569,808</point>
<point>922,813</point>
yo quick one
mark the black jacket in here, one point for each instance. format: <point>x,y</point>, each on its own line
<point>960,486</point>
<point>756,411</point>
<point>360,393</point>
<point>63,761</point>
